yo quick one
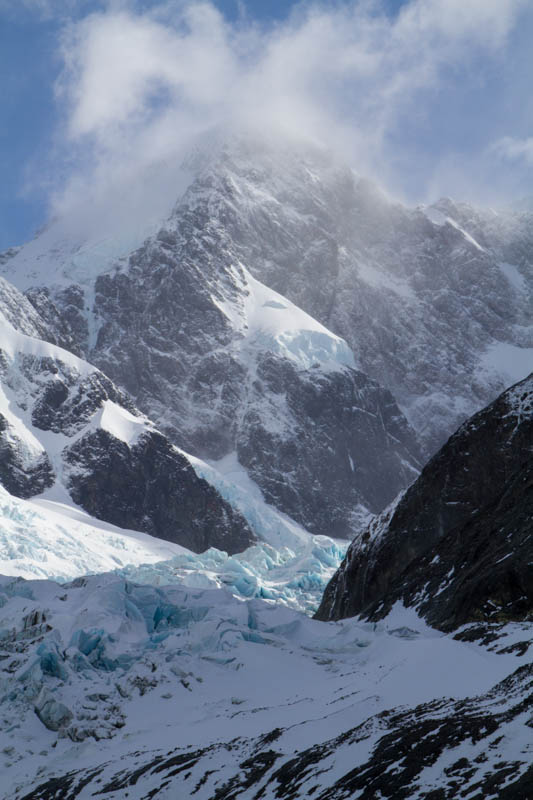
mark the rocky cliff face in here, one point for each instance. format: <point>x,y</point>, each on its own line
<point>457,545</point>
<point>223,364</point>
<point>434,302</point>
<point>340,448</point>
<point>148,485</point>
<point>65,426</point>
<point>240,369</point>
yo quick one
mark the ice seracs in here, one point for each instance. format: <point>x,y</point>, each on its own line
<point>48,536</point>
<point>116,688</point>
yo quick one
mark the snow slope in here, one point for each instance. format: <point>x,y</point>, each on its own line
<point>200,693</point>
<point>50,537</point>
<point>47,539</point>
<point>268,322</point>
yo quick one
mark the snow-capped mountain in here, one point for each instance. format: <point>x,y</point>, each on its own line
<point>66,429</point>
<point>225,365</point>
<point>252,353</point>
<point>397,284</point>
<point>457,546</point>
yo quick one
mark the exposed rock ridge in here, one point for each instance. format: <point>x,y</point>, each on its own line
<point>457,545</point>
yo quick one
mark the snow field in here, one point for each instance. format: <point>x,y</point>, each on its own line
<point>159,667</point>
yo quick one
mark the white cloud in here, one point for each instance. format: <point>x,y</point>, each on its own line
<point>511,149</point>
<point>138,88</point>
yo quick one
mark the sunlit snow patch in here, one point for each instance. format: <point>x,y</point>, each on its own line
<point>270,322</point>
<point>120,423</point>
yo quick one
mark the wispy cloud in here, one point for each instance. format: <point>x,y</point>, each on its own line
<point>137,88</point>
<point>509,148</point>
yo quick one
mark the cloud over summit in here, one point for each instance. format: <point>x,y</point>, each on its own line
<point>138,88</point>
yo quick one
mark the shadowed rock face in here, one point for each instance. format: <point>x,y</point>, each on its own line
<point>458,544</point>
<point>19,477</point>
<point>344,445</point>
<point>150,486</point>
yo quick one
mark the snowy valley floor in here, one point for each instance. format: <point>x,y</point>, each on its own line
<point>118,690</point>
<point>174,675</point>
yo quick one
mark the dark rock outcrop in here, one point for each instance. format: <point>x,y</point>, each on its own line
<point>457,546</point>
<point>150,486</point>
<point>21,475</point>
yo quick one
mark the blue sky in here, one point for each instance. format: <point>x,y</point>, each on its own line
<point>463,126</point>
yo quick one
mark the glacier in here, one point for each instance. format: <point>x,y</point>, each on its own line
<point>198,677</point>
<point>50,537</point>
